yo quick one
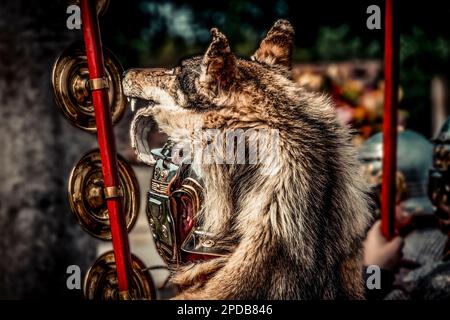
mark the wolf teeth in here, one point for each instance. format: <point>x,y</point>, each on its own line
<point>133,104</point>
<point>128,99</point>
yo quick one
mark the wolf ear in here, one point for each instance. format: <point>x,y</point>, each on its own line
<point>219,64</point>
<point>276,48</point>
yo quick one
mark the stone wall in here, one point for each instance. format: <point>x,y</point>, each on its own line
<point>39,237</point>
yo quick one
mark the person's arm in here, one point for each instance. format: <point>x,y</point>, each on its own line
<point>384,254</point>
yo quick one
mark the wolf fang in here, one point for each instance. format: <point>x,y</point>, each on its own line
<point>194,310</point>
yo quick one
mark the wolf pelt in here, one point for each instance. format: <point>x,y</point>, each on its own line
<point>294,232</point>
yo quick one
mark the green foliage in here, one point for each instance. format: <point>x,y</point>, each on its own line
<point>421,57</point>
<point>339,43</point>
<point>420,49</point>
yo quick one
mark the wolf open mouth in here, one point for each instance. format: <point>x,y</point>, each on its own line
<point>141,126</point>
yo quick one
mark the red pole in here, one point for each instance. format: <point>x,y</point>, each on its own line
<point>106,142</point>
<point>391,78</point>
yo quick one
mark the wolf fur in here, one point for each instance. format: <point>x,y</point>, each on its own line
<point>294,232</point>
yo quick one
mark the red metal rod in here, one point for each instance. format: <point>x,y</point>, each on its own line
<point>106,142</point>
<point>391,78</point>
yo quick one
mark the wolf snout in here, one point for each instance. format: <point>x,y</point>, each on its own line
<point>138,72</point>
<point>132,82</point>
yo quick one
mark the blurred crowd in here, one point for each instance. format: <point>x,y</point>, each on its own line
<point>414,264</point>
<point>357,89</point>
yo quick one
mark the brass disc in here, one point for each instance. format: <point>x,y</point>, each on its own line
<point>70,77</point>
<point>100,5</point>
<point>87,198</point>
<point>100,282</point>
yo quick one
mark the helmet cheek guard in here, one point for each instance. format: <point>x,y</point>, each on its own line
<point>175,198</point>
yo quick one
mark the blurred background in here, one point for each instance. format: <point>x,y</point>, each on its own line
<point>335,52</point>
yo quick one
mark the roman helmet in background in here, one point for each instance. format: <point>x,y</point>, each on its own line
<point>439,178</point>
<point>414,159</point>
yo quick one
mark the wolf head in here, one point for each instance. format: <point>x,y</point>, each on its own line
<point>216,89</point>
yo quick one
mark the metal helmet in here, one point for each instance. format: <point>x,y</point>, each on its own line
<point>175,197</point>
<point>439,179</point>
<point>414,159</point>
